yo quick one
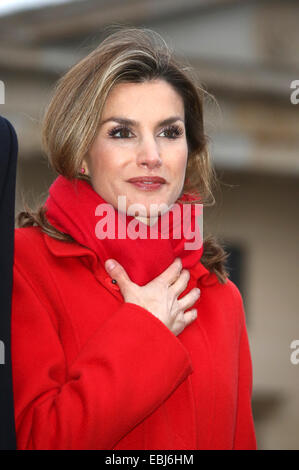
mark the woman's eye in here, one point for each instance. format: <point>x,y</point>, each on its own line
<point>116,130</point>
<point>173,132</point>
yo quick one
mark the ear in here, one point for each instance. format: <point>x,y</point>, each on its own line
<point>85,166</point>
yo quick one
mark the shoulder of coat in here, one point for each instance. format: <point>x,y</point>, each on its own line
<point>28,244</point>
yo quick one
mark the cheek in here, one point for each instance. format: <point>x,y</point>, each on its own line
<point>103,162</point>
<point>178,165</point>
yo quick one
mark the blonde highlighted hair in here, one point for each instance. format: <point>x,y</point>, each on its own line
<point>70,124</point>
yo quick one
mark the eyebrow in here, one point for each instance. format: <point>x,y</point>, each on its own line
<point>131,122</point>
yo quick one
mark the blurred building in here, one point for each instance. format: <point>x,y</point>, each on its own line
<point>246,55</point>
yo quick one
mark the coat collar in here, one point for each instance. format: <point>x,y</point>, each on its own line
<point>61,248</point>
<point>64,249</point>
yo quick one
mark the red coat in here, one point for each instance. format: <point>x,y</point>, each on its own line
<point>93,372</point>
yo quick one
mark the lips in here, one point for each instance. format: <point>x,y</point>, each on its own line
<point>148,180</point>
<point>147,183</point>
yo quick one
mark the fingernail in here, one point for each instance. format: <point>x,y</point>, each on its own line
<point>110,264</point>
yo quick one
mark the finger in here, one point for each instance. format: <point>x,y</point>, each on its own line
<point>171,274</point>
<point>181,283</point>
<point>189,299</point>
<point>190,316</point>
<point>117,272</point>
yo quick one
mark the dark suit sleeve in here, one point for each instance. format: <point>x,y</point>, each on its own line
<point>8,163</point>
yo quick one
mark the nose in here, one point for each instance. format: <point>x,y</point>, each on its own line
<point>149,155</point>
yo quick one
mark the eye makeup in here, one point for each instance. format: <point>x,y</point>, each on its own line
<point>174,130</point>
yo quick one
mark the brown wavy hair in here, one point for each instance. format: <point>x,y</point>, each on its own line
<point>70,123</point>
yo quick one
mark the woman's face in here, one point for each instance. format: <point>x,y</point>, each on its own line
<point>133,141</point>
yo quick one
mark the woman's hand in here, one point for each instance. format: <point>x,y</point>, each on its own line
<point>160,296</point>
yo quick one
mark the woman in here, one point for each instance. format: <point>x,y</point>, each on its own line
<point>130,357</point>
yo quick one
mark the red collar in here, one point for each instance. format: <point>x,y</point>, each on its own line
<point>75,208</point>
<point>70,249</point>
<point>62,249</point>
